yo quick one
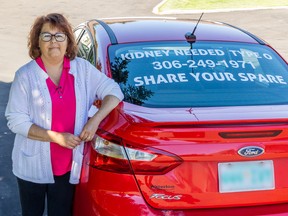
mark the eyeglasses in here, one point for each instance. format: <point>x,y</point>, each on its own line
<point>46,37</point>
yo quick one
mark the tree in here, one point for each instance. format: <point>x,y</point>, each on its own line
<point>133,94</point>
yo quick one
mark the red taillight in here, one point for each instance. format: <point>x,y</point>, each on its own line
<point>162,163</point>
<point>111,155</point>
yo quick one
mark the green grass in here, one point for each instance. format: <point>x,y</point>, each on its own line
<point>219,4</point>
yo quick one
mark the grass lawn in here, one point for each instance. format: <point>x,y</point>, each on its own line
<point>218,4</point>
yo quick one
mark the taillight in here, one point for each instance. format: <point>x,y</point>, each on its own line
<point>111,155</point>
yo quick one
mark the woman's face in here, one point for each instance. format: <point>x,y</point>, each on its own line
<point>53,49</point>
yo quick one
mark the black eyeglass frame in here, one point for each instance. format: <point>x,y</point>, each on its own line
<point>63,35</point>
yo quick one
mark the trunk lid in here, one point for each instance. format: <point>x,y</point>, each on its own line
<point>230,156</point>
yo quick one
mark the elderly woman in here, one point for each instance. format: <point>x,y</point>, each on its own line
<point>48,111</point>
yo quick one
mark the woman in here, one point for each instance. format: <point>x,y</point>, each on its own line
<point>48,110</point>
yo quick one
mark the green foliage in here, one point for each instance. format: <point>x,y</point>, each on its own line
<point>219,4</point>
<point>132,94</point>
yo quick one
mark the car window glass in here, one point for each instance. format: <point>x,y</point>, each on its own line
<point>77,33</point>
<point>206,74</point>
<point>85,47</point>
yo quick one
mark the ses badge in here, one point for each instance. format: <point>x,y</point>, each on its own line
<point>251,151</point>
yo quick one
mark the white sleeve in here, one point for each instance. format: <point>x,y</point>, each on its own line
<point>104,85</point>
<point>17,112</point>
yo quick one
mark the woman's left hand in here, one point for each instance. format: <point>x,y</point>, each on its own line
<point>106,106</point>
<point>89,129</point>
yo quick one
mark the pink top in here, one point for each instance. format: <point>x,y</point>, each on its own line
<point>63,115</point>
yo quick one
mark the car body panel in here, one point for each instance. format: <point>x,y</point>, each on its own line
<point>94,198</point>
<point>202,148</point>
<point>189,114</point>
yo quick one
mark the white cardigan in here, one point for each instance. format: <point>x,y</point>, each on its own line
<point>30,103</point>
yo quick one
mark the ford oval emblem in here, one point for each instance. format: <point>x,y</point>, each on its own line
<point>251,151</point>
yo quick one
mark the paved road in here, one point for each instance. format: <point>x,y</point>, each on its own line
<point>17,16</point>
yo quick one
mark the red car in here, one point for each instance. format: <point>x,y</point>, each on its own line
<point>203,128</point>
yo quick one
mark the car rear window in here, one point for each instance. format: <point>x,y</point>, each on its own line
<point>202,74</point>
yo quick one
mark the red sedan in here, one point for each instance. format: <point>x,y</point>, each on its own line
<point>203,128</point>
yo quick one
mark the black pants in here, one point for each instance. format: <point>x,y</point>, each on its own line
<point>59,197</point>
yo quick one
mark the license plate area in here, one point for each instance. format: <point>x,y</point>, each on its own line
<point>246,176</point>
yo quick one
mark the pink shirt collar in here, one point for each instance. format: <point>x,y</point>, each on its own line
<point>66,63</point>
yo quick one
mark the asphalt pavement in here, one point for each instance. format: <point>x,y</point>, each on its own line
<point>17,16</point>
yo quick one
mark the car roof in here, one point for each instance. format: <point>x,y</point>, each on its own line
<point>127,30</point>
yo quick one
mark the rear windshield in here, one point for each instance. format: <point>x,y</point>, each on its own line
<point>202,74</point>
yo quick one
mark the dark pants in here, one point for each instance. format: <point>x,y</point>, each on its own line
<point>59,197</point>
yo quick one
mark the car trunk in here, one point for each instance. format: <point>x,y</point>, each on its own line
<point>230,156</point>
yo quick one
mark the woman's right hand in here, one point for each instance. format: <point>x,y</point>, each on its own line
<point>66,140</point>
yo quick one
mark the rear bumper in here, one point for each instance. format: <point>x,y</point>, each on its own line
<point>105,194</point>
